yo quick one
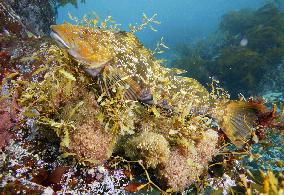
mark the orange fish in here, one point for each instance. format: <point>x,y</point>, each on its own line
<point>115,55</point>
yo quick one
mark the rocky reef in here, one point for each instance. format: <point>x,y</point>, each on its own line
<point>56,96</point>
<point>34,15</point>
<point>46,96</point>
<point>10,21</point>
<point>59,132</point>
<point>270,87</point>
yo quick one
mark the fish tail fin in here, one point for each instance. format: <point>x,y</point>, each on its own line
<point>239,119</point>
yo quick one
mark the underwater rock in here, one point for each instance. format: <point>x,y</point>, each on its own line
<point>86,115</point>
<point>271,86</point>
<point>59,97</point>
<point>10,21</point>
<point>36,169</point>
<point>36,15</point>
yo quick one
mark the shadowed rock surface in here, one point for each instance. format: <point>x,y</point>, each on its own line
<point>36,15</point>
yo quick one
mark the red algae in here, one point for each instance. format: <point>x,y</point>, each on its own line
<point>8,119</point>
<point>5,137</point>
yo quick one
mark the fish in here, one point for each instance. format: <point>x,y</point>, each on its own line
<point>120,59</point>
<point>115,55</point>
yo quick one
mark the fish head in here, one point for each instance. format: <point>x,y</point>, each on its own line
<point>91,47</point>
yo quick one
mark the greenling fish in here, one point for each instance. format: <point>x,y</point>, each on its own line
<point>119,59</point>
<point>119,56</point>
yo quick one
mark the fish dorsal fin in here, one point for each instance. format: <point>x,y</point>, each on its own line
<point>239,119</point>
<point>113,77</point>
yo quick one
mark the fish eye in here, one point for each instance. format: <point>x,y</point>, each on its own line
<point>81,35</point>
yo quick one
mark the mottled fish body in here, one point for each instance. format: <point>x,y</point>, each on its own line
<point>119,56</point>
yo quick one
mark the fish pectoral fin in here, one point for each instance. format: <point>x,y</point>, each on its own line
<point>239,120</point>
<point>94,72</point>
<point>115,78</point>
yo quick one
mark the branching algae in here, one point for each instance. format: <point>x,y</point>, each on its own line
<point>102,93</point>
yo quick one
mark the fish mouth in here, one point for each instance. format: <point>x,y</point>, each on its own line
<point>58,39</point>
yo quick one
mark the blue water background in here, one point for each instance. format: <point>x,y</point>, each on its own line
<point>182,21</point>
